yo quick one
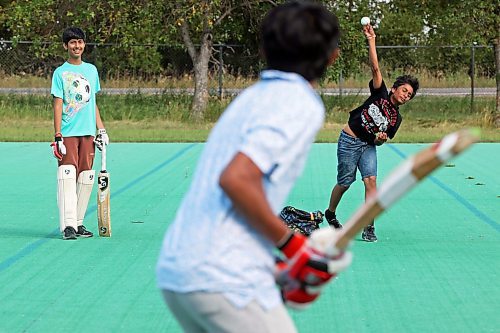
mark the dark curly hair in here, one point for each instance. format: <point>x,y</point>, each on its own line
<point>299,37</point>
<point>407,79</point>
<point>72,33</point>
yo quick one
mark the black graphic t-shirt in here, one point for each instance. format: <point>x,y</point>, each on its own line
<point>376,114</point>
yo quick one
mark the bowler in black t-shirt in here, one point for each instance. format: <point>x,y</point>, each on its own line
<point>369,125</point>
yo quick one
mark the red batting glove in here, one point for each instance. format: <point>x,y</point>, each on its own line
<point>311,264</point>
<point>58,147</point>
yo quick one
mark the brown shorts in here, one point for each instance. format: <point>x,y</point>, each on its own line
<point>80,151</point>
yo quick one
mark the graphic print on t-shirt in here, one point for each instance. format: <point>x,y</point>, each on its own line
<point>378,116</point>
<point>77,92</point>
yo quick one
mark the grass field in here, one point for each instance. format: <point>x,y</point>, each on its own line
<point>427,79</point>
<point>165,118</point>
<point>434,269</point>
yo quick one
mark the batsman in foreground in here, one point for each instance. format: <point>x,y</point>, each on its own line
<point>216,267</point>
<point>76,117</point>
<point>369,125</point>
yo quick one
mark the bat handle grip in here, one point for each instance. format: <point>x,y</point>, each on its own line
<point>103,158</point>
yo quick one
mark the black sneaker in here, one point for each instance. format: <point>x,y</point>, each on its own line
<point>368,234</point>
<point>69,233</point>
<point>83,232</point>
<point>331,218</point>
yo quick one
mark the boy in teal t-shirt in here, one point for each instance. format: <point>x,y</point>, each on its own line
<point>76,117</point>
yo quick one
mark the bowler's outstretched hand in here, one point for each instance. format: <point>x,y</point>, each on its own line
<point>369,32</point>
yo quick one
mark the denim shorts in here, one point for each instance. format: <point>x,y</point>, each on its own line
<point>353,154</point>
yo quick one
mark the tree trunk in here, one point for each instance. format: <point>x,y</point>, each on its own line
<point>200,98</point>
<point>496,116</point>
<point>200,60</point>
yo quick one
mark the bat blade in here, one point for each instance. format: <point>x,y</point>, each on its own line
<point>103,199</point>
<point>103,205</point>
<point>403,179</point>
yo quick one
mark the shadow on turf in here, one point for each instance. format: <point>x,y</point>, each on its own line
<point>6,232</point>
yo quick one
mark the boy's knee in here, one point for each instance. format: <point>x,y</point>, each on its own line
<point>370,182</point>
<point>343,188</point>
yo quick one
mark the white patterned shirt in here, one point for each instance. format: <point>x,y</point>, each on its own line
<point>209,246</point>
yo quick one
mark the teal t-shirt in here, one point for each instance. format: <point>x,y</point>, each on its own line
<point>77,86</point>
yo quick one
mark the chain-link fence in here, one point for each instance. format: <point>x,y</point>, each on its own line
<point>140,62</point>
<point>152,62</point>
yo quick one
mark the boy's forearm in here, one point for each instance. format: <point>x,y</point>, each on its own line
<point>242,183</point>
<point>57,107</point>
<point>251,202</point>
<point>373,58</point>
<point>372,54</point>
<point>57,124</point>
<point>98,119</point>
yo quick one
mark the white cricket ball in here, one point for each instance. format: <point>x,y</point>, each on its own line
<point>365,20</point>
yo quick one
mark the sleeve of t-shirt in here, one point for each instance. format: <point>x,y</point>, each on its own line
<point>374,91</point>
<point>57,88</point>
<point>276,137</point>
<point>97,84</point>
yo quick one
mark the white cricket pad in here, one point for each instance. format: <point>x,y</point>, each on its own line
<point>66,196</point>
<point>84,187</point>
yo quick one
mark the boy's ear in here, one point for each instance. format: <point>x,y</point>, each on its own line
<point>65,46</point>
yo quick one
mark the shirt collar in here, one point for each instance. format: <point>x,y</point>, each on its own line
<point>272,74</point>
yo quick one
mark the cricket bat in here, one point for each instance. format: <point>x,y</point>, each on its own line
<point>328,241</point>
<point>103,199</point>
<point>403,179</point>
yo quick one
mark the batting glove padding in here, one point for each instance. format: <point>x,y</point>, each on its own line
<point>58,147</point>
<point>309,265</point>
<point>101,139</point>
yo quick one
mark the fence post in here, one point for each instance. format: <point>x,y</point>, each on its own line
<point>472,74</point>
<point>221,64</point>
<point>341,79</point>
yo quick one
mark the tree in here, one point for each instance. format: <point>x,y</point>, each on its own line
<point>121,29</point>
<point>199,23</point>
<point>353,49</point>
<point>477,21</point>
<point>400,25</point>
<point>119,22</point>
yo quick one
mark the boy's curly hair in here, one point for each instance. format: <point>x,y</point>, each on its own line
<point>407,79</point>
